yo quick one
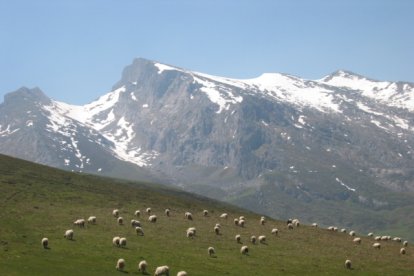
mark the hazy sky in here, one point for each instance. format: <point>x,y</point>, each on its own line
<point>75,50</point>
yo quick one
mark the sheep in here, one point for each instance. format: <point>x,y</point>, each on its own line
<point>218,225</point>
<point>116,241</point>
<point>162,270</point>
<point>242,218</point>
<point>167,212</point>
<point>182,273</point>
<point>120,220</point>
<point>275,231</point>
<point>152,218</point>
<point>352,233</point>
<point>217,230</point>
<point>262,221</point>
<point>192,229</point>
<point>92,220</point>
<point>330,228</point>
<point>137,213</point>
<point>244,250</point>
<point>314,225</point>
<point>68,234</point>
<point>262,239</point>
<point>384,238</point>
<point>120,264</point>
<point>397,239</point>
<point>290,226</point>
<point>188,216</point>
<point>241,223</point>
<point>296,222</point>
<point>377,245</point>
<point>45,243</point>
<point>123,242</point>
<point>343,230</point>
<point>357,240</point>
<point>405,243</point>
<point>348,264</point>
<point>253,239</point>
<point>238,238</point>
<point>115,213</point>
<point>142,266</point>
<point>139,231</point>
<point>377,238</point>
<point>288,221</point>
<point>79,222</point>
<point>190,234</point>
<point>236,221</point>
<point>211,251</point>
<point>148,210</point>
<point>135,223</point>
<point>205,213</point>
<point>402,251</point>
<point>370,234</point>
<point>335,229</point>
<point>224,216</point>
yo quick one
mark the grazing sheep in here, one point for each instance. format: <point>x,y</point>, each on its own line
<point>262,221</point>
<point>68,234</point>
<point>167,212</point>
<point>357,240</point>
<point>148,210</point>
<point>253,239</point>
<point>79,222</point>
<point>377,245</point>
<point>135,223</point>
<point>236,221</point>
<point>314,225</point>
<point>384,238</point>
<point>137,213</point>
<point>348,264</point>
<point>92,220</point>
<point>116,241</point>
<point>335,229</point>
<point>377,238</point>
<point>188,216</point>
<point>241,223</point>
<point>115,213</point>
<point>405,243</point>
<point>397,239</point>
<point>205,213</point>
<point>182,273</point>
<point>296,222</point>
<point>352,233</point>
<point>402,251</point>
<point>152,218</point>
<point>142,266</point>
<point>224,216</point>
<point>123,242</point>
<point>45,242</point>
<point>211,251</point>
<point>190,234</point>
<point>218,225</point>
<point>290,226</point>
<point>244,250</point>
<point>331,228</point>
<point>193,229</point>
<point>120,264</point>
<point>217,230</point>
<point>343,230</point>
<point>242,218</point>
<point>262,239</point>
<point>162,270</point>
<point>275,231</point>
<point>238,238</point>
<point>370,234</point>
<point>120,220</point>
<point>139,231</point>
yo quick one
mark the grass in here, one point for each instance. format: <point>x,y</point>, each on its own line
<point>38,201</point>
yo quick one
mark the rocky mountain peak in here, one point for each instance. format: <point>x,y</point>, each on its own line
<point>26,95</point>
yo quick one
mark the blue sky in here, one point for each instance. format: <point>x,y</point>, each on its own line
<point>75,50</point>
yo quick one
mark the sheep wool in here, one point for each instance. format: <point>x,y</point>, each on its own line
<point>348,264</point>
<point>182,273</point>
<point>120,264</point>
<point>211,251</point>
<point>162,270</point>
<point>45,242</point>
<point>244,250</point>
<point>142,266</point>
<point>68,234</point>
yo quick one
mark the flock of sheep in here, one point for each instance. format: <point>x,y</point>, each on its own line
<point>191,233</point>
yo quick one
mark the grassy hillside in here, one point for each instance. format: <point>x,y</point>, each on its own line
<point>38,201</point>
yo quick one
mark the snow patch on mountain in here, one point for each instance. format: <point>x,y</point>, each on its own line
<point>7,131</point>
<point>343,184</point>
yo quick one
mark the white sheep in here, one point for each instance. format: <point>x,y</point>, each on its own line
<point>120,264</point>
<point>236,221</point>
<point>405,243</point>
<point>152,218</point>
<point>162,270</point>
<point>377,238</point>
<point>224,216</point>
<point>167,212</point>
<point>242,222</point>
<point>79,222</point>
<point>262,221</point>
<point>275,231</point>
<point>182,273</point>
<point>343,230</point>
<point>397,239</point>
<point>45,242</point>
<point>370,234</point>
<point>92,220</point>
<point>244,250</point>
<point>217,230</point>
<point>238,238</point>
<point>314,225</point>
<point>116,241</point>
<point>211,251</point>
<point>192,229</point>
<point>148,210</point>
<point>188,216</point>
<point>357,240</point>
<point>377,245</point>
<point>262,239</point>
<point>384,238</point>
<point>352,233</point>
<point>120,220</point>
<point>205,213</point>
<point>139,231</point>
<point>142,266</point>
<point>348,264</point>
<point>253,239</point>
<point>137,213</point>
<point>135,223</point>
<point>123,242</point>
<point>330,228</point>
<point>190,234</point>
<point>115,213</point>
<point>290,226</point>
<point>402,251</point>
<point>69,234</point>
<point>218,225</point>
<point>296,222</point>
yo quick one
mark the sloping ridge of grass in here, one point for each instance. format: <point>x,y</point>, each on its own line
<point>38,201</point>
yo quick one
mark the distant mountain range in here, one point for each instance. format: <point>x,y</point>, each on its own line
<point>338,148</point>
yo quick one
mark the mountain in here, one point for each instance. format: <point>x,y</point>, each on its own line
<point>39,201</point>
<point>339,148</point>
